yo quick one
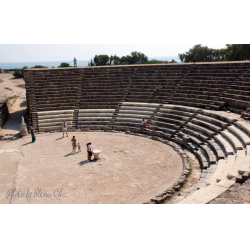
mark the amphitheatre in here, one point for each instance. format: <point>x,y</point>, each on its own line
<point>195,150</point>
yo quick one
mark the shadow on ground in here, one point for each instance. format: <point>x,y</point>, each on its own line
<point>23,104</point>
<point>59,138</point>
<point>27,143</point>
<point>85,162</point>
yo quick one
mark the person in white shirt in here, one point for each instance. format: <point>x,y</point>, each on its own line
<point>143,124</point>
<point>75,62</point>
<point>89,151</point>
<point>79,147</point>
<point>65,129</point>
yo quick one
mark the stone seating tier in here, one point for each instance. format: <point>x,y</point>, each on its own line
<point>53,120</point>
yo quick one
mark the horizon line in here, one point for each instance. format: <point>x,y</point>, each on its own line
<point>77,60</point>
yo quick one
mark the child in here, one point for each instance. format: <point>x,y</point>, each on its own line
<point>79,147</point>
<point>143,125</point>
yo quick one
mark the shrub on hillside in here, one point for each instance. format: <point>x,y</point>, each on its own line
<point>64,64</point>
<point>19,72</point>
<point>39,66</point>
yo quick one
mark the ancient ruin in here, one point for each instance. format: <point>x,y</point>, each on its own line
<point>196,107</point>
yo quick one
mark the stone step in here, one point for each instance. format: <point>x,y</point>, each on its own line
<point>233,139</point>
<point>55,112</point>
<point>168,120</point>
<point>202,129</point>
<point>211,156</point>
<point>196,133</point>
<point>64,119</point>
<point>54,123</point>
<point>212,120</point>
<point>93,122</point>
<point>245,137</point>
<point>217,147</point>
<point>166,124</point>
<point>228,147</point>
<point>163,129</point>
<point>207,124</point>
<point>52,128</point>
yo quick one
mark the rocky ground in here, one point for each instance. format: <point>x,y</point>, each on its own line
<point>237,194</point>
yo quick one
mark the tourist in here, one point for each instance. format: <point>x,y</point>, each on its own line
<point>32,131</point>
<point>89,151</point>
<point>79,147</point>
<point>195,59</point>
<point>157,88</point>
<point>143,124</point>
<point>65,129</point>
<point>73,140</point>
<point>75,62</point>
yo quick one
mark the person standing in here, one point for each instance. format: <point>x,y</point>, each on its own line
<point>75,62</point>
<point>195,59</point>
<point>89,151</point>
<point>73,140</point>
<point>32,131</point>
<point>65,129</point>
<point>79,147</point>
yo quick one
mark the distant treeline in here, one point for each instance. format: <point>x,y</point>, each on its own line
<point>134,58</point>
<point>19,72</point>
<point>232,52</point>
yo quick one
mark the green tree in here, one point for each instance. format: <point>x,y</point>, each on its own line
<point>101,60</point>
<point>19,72</point>
<point>116,59</point>
<point>39,66</point>
<point>138,57</point>
<point>236,52</point>
<point>64,64</point>
<point>111,59</point>
<point>203,54</point>
<point>91,63</point>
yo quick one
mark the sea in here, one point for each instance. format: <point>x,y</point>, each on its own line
<point>80,63</point>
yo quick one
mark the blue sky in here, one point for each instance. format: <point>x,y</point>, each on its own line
<point>57,52</point>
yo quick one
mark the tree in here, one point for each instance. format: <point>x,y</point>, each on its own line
<point>116,59</point>
<point>39,66</point>
<point>236,52</point>
<point>101,60</point>
<point>111,59</point>
<point>19,72</point>
<point>138,57</point>
<point>203,54</point>
<point>64,64</point>
<point>91,63</point>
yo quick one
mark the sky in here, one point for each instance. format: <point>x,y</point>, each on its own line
<point>58,52</point>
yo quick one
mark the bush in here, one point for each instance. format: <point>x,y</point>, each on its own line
<point>64,64</point>
<point>19,72</point>
<point>39,66</point>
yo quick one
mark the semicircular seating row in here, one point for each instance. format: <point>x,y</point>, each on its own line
<point>220,140</point>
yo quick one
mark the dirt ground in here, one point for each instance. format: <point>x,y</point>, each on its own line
<point>127,171</point>
<point>9,87</point>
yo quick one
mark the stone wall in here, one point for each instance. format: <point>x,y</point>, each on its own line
<point>222,85</point>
